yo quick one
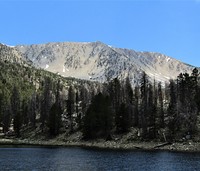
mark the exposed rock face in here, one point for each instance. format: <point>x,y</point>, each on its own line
<point>98,61</point>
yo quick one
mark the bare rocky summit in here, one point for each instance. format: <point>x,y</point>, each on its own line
<point>100,62</point>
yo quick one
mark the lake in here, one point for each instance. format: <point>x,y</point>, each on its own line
<point>75,159</point>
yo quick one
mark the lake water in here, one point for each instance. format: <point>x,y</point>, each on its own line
<point>75,159</point>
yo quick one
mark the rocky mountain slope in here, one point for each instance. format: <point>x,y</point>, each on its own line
<point>10,54</point>
<point>98,61</point>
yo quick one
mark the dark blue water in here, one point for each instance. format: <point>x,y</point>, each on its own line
<point>75,159</point>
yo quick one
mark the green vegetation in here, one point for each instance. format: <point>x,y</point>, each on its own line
<point>35,99</point>
<point>169,113</point>
<point>31,97</point>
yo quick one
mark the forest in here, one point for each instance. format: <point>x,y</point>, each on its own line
<point>36,99</point>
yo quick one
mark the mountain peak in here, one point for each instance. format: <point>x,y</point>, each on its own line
<point>100,62</point>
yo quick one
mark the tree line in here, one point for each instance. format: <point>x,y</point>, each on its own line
<point>165,111</point>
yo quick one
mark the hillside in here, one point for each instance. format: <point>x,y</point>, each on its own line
<point>20,80</point>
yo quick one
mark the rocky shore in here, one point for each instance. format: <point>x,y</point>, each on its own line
<point>186,146</point>
<point>121,142</point>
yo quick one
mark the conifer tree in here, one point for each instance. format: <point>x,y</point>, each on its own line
<point>143,106</point>
<point>161,122</point>
<point>129,102</point>
<point>123,122</point>
<point>78,113</point>
<point>15,108</point>
<point>54,122</point>
<point>5,111</point>
<point>32,110</point>
<point>172,111</point>
<point>58,108</point>
<point>194,100</point>
<point>70,107</point>
<point>98,119</point>
<point>6,118</point>
<point>84,100</point>
<point>1,108</point>
<point>115,94</point>
<point>136,107</point>
<point>151,110</point>
<point>45,102</point>
<point>24,112</point>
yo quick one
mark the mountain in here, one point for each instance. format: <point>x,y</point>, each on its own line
<point>43,104</point>
<point>98,61</point>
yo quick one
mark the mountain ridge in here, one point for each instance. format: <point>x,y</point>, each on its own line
<point>100,62</point>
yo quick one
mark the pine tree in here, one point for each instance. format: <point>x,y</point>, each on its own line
<point>187,107</point>
<point>151,110</point>
<point>98,119</point>
<point>70,107</point>
<point>32,110</point>
<point>1,108</point>
<point>194,104</point>
<point>6,118</point>
<point>143,106</point>
<point>45,102</point>
<point>115,89</point>
<point>54,121</point>
<point>136,105</point>
<point>58,109</point>
<point>129,102</point>
<point>161,122</point>
<point>124,122</point>
<point>24,112</point>
<point>84,100</point>
<point>78,113</point>
<point>172,110</point>
<point>15,108</point>
<point>183,82</point>
<point>5,110</point>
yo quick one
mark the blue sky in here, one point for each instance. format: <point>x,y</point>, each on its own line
<point>171,27</point>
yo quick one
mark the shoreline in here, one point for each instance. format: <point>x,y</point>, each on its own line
<point>109,145</point>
